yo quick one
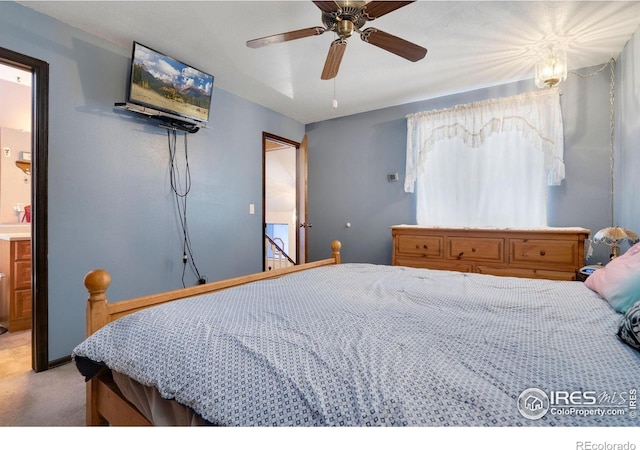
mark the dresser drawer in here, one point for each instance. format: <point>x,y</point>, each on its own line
<point>425,246</point>
<point>544,251</point>
<point>527,273</point>
<point>476,249</point>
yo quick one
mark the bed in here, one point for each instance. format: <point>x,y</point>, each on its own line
<point>330,344</point>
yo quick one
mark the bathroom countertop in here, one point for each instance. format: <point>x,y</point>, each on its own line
<point>15,231</point>
<point>15,236</point>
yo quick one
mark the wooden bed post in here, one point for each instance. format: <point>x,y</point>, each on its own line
<point>335,247</point>
<point>96,282</point>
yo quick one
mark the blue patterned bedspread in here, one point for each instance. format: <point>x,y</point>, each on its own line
<point>360,345</point>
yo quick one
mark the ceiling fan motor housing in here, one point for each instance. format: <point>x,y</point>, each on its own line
<point>344,21</point>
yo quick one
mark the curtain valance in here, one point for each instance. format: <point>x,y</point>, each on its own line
<point>537,116</point>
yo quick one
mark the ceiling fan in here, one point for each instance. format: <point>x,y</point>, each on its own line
<point>345,18</point>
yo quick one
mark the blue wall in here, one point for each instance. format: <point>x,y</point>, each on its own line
<point>627,161</point>
<point>349,159</point>
<point>110,203</point>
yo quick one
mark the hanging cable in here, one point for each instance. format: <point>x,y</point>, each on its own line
<point>612,64</point>
<point>588,75</point>
<point>181,189</point>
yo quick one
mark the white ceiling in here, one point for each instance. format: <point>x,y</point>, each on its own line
<point>471,45</point>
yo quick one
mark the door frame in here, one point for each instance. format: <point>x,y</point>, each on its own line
<point>39,194</point>
<point>272,137</point>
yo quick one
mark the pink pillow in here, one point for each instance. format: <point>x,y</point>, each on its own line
<point>619,281</point>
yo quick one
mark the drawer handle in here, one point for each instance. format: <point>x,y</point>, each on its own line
<point>542,253</point>
<point>425,246</point>
<point>473,250</point>
<point>460,255</point>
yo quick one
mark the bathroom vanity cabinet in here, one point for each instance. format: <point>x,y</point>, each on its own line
<point>15,285</point>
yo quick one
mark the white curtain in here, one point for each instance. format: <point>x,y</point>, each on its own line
<point>486,164</point>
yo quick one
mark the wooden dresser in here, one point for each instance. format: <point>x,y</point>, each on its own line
<point>15,286</point>
<point>552,253</point>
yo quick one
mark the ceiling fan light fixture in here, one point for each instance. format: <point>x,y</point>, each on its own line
<point>344,28</point>
<point>551,67</point>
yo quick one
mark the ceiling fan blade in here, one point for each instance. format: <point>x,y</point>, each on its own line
<point>376,9</point>
<point>393,44</point>
<point>334,58</point>
<point>327,7</point>
<point>283,37</point>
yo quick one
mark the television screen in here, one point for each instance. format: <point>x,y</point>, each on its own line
<point>165,84</point>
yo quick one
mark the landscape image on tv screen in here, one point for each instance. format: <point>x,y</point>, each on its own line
<point>163,83</point>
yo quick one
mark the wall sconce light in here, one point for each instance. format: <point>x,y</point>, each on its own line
<point>551,67</point>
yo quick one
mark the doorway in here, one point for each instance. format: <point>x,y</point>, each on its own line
<point>39,181</point>
<point>284,212</point>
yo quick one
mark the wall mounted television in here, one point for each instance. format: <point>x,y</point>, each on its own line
<point>169,86</point>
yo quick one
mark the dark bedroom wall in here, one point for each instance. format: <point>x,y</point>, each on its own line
<point>110,203</point>
<point>350,157</point>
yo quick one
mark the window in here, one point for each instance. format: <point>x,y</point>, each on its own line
<point>486,164</point>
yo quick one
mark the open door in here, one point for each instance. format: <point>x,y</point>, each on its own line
<point>303,216</point>
<point>39,185</point>
<point>284,202</point>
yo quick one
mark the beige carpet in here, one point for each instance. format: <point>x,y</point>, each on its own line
<point>55,397</point>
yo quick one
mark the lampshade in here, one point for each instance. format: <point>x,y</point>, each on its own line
<point>551,67</point>
<point>614,236</point>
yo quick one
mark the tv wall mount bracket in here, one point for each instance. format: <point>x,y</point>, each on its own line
<point>166,120</point>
